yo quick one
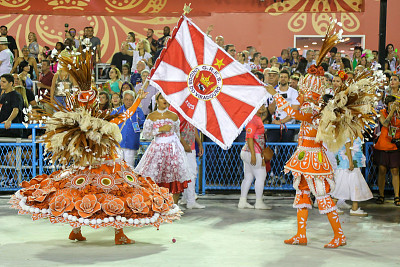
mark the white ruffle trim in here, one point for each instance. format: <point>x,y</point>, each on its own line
<point>302,206</point>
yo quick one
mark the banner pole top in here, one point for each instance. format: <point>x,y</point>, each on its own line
<point>186,9</point>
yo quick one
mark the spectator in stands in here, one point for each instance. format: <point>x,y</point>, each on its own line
<point>294,58</point>
<point>386,149</point>
<point>364,63</point>
<point>346,64</point>
<point>6,56</point>
<point>219,40</point>
<point>45,54</point>
<point>230,48</point>
<point>167,31</point>
<point>11,41</point>
<point>25,76</point>
<point>273,61</point>
<point>130,129</point>
<point>241,58</point>
<point>44,84</point>
<point>393,88</point>
<point>272,76</point>
<point>104,101</point>
<point>21,62</point>
<point>126,73</point>
<point>264,63</point>
<point>310,56</point>
<point>122,57</point>
<point>72,31</point>
<point>61,87</point>
<point>146,102</point>
<point>136,76</point>
<point>153,42</point>
<point>375,53</point>
<point>131,41</point>
<point>301,67</point>
<point>30,96</point>
<point>125,87</point>
<point>115,100</point>
<point>294,80</point>
<point>95,43</point>
<point>284,58</point>
<point>255,61</point>
<point>11,105</point>
<point>332,56</point>
<point>356,56</point>
<point>251,50</point>
<point>142,53</point>
<point>391,57</point>
<point>33,46</point>
<point>114,83</point>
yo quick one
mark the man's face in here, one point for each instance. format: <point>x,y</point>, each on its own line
<point>72,32</point>
<point>167,30</point>
<point>45,66</point>
<point>3,31</point>
<point>283,79</point>
<point>90,32</point>
<point>232,51</point>
<point>149,33</point>
<point>127,100</point>
<point>140,66</point>
<point>293,83</point>
<point>285,54</point>
<point>4,84</point>
<point>273,78</point>
<point>375,54</point>
<point>220,41</point>
<point>263,63</point>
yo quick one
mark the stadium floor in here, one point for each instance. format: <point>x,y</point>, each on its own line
<point>220,235</point>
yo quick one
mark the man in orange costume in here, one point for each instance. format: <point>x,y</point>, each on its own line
<point>309,164</point>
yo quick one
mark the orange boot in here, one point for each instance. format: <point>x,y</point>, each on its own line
<point>300,238</point>
<point>76,234</point>
<point>338,239</point>
<point>121,238</point>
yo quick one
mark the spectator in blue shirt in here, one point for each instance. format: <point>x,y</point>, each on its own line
<point>130,129</point>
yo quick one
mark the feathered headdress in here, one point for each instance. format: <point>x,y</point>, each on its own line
<point>79,134</point>
<point>312,81</point>
<point>350,112</point>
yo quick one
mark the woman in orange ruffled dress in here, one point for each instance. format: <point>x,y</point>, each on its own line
<point>93,187</point>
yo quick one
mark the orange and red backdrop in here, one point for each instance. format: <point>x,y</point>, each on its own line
<point>267,25</point>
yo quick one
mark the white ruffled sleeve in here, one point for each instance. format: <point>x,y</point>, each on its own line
<point>176,128</point>
<point>148,131</point>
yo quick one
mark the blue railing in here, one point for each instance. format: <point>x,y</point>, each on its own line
<point>22,159</point>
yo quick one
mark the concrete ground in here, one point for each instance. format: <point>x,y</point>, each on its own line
<point>220,235</point>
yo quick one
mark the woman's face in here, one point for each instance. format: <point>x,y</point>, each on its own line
<point>140,44</point>
<point>30,37</point>
<point>58,46</point>
<point>103,99</point>
<point>144,76</point>
<point>394,82</point>
<point>337,82</point>
<point>295,54</point>
<point>27,68</point>
<point>363,61</point>
<point>129,38</point>
<point>162,103</point>
<point>125,70</point>
<point>112,74</point>
<point>125,87</point>
<point>390,49</point>
<point>357,53</point>
<point>115,99</point>
<point>17,80</point>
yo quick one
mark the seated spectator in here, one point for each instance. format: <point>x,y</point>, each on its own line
<point>231,50</point>
<point>241,58</point>
<point>24,74</point>
<point>136,76</point>
<point>294,80</point>
<point>29,94</point>
<point>130,129</point>
<point>114,84</point>
<point>115,101</point>
<point>44,84</point>
<point>127,86</point>
<point>122,57</point>
<point>146,102</point>
<point>219,40</point>
<point>6,56</point>
<point>301,67</point>
<point>18,68</point>
<point>284,58</point>
<point>104,101</point>
<point>33,46</point>
<point>142,53</point>
<point>272,61</point>
<point>263,63</point>
<point>45,54</point>
<point>259,75</point>
<point>294,58</point>
<point>310,57</point>
<point>11,105</point>
<point>61,87</point>
<point>126,73</point>
<point>255,61</point>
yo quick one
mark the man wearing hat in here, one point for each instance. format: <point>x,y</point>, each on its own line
<point>6,57</point>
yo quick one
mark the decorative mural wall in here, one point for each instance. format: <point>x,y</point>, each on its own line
<point>264,24</point>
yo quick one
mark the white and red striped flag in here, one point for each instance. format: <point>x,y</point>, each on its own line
<point>210,89</point>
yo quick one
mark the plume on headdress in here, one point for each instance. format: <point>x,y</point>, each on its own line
<point>350,112</point>
<point>79,134</point>
<point>333,36</point>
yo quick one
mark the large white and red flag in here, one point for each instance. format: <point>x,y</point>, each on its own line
<point>210,89</point>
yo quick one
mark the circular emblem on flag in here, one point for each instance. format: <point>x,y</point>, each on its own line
<point>204,82</point>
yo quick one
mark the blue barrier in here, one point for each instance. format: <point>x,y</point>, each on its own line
<point>22,159</point>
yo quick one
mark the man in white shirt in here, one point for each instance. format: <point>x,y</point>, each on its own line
<point>6,57</point>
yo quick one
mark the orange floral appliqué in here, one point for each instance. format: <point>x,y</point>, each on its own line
<point>87,206</point>
<point>159,204</point>
<point>41,194</point>
<point>113,207</point>
<point>137,204</point>
<point>61,204</point>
